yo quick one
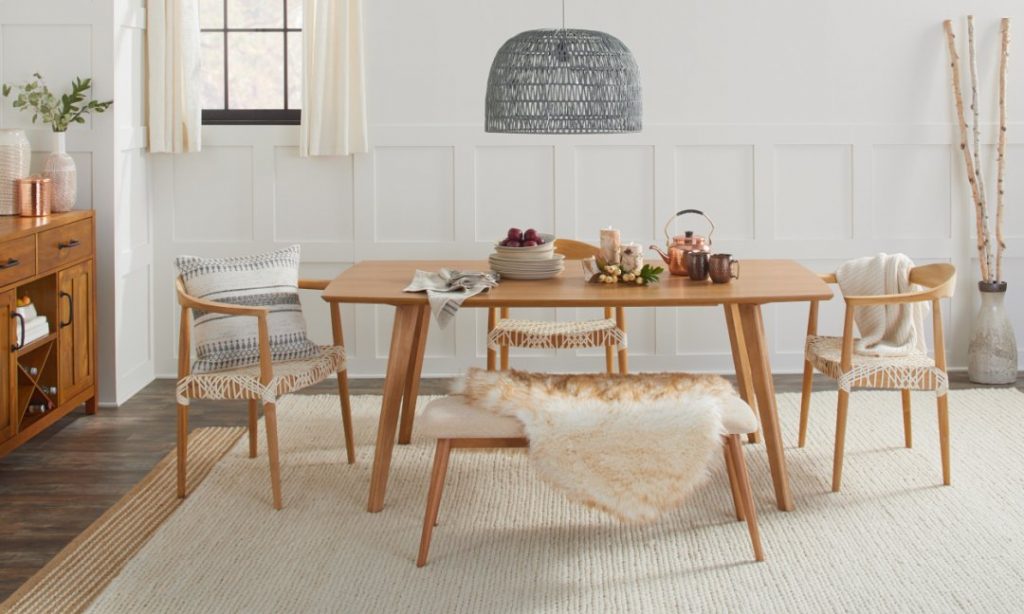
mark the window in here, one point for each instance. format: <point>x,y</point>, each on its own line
<point>251,61</point>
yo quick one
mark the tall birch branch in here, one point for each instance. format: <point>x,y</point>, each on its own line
<point>1004,58</point>
<point>958,97</point>
<point>972,60</point>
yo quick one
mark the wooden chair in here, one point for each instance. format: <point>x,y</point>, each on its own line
<point>504,333</point>
<point>456,424</point>
<point>834,357</point>
<point>264,383</point>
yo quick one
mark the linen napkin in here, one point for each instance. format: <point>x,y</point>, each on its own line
<point>448,288</point>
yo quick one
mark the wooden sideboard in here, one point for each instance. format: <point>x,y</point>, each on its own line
<point>50,260</point>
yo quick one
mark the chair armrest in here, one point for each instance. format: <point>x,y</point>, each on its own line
<point>260,313</point>
<point>313,284</point>
<point>190,302</point>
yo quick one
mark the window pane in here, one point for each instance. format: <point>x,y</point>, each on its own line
<point>295,70</point>
<point>294,14</point>
<point>211,13</point>
<point>255,70</point>
<point>255,13</point>
<point>212,69</point>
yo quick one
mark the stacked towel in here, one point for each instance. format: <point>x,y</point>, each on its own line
<point>35,328</point>
<point>885,330</point>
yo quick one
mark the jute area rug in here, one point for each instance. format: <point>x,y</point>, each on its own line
<point>892,540</point>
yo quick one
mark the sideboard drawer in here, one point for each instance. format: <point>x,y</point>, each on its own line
<point>17,260</point>
<point>65,244</point>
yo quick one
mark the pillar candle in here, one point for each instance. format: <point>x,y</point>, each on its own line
<point>610,242</point>
<point>632,257</point>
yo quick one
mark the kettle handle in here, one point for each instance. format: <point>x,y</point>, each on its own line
<point>668,237</point>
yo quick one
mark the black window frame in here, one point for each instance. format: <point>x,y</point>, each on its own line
<point>252,117</point>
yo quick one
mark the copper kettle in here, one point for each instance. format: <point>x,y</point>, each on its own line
<point>677,246</point>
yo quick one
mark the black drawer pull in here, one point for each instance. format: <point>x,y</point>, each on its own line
<point>69,244</point>
<point>11,263</point>
<point>71,309</point>
<point>21,319</point>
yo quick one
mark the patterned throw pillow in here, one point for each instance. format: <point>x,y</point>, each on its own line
<point>267,280</point>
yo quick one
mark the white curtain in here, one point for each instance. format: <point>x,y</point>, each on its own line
<point>172,46</point>
<point>333,96</point>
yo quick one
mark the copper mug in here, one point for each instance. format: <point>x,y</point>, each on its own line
<point>720,267</point>
<point>697,265</point>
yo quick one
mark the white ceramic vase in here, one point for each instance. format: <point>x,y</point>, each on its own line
<point>992,354</point>
<point>59,168</point>
<point>15,156</point>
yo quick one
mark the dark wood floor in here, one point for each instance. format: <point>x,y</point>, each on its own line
<point>54,486</point>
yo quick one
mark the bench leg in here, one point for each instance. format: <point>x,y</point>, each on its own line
<point>434,497</point>
<point>743,483</point>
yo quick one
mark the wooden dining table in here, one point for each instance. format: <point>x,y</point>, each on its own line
<point>381,282</point>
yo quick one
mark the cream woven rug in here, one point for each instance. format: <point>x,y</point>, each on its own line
<point>892,540</point>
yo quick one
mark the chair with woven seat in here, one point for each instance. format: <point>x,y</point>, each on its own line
<point>456,424</point>
<point>264,383</point>
<point>835,358</point>
<point>609,332</point>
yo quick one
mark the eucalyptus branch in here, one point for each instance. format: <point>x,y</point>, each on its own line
<point>71,108</point>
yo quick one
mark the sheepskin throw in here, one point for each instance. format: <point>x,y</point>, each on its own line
<point>632,445</point>
<point>267,280</point>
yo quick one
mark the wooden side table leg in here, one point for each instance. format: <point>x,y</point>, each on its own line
<point>764,388</point>
<point>740,361</point>
<point>403,334</point>
<point>412,384</point>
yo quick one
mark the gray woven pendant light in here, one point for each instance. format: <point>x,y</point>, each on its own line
<point>563,81</point>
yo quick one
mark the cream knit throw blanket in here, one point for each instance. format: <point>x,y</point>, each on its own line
<point>632,445</point>
<point>885,330</point>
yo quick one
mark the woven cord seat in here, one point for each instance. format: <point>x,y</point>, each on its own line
<point>913,372</point>
<point>608,333</point>
<point>244,383</point>
<point>556,335</point>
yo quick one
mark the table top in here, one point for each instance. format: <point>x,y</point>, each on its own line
<point>761,281</point>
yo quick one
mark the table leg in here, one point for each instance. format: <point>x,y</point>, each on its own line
<point>740,360</point>
<point>764,388</point>
<point>412,381</point>
<point>403,335</point>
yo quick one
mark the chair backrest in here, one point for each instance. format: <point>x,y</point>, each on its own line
<point>940,278</point>
<point>575,250</point>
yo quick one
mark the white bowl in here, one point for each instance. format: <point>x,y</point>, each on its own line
<point>537,252</point>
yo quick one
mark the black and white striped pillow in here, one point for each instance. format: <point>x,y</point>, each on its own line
<point>266,280</point>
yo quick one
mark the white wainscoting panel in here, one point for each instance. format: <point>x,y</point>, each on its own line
<point>213,195</point>
<point>910,198</point>
<point>719,176</point>
<point>313,199</point>
<point>615,185</point>
<point>29,48</point>
<point>415,194</point>
<point>813,192</point>
<point>515,187</point>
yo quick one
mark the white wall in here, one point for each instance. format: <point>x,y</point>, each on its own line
<point>812,130</point>
<point>63,39</point>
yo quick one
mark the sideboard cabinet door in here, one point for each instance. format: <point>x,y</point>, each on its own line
<point>75,336</point>
<point>7,375</point>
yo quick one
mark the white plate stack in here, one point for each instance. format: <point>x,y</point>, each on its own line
<point>536,262</point>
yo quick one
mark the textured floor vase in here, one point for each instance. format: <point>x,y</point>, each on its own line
<point>992,354</point>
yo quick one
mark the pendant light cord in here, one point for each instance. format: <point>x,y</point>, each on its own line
<point>563,14</point>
